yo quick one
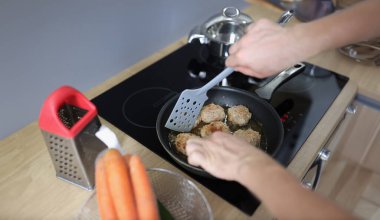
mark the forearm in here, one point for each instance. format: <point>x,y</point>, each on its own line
<point>283,195</point>
<point>357,23</point>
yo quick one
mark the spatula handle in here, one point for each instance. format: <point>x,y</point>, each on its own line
<point>226,72</point>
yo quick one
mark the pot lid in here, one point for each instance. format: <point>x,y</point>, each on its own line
<point>227,27</point>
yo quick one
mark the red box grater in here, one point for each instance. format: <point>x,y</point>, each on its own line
<point>68,122</point>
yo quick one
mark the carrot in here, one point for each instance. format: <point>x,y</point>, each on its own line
<point>120,185</point>
<point>127,157</point>
<point>105,204</point>
<point>143,191</point>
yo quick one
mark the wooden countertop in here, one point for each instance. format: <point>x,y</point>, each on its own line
<point>30,190</point>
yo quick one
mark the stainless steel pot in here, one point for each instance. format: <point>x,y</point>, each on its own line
<point>223,30</point>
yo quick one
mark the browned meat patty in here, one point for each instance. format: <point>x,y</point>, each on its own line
<point>208,129</point>
<point>251,136</point>
<point>238,115</point>
<point>180,141</point>
<point>197,121</point>
<point>212,112</point>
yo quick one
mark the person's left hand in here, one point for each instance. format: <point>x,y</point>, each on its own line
<point>224,155</point>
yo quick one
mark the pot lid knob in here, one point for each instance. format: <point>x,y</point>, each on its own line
<point>231,12</point>
<point>228,27</point>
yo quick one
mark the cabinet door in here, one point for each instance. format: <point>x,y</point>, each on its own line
<point>352,175</point>
<point>361,139</point>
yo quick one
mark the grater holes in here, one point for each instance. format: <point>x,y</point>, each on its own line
<point>63,159</point>
<point>69,115</point>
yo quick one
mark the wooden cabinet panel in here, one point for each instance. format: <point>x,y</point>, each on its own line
<point>351,177</point>
<point>360,140</point>
<point>372,158</point>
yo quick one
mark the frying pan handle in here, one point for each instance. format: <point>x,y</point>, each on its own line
<point>266,91</point>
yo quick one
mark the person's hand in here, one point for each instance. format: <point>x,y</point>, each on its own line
<point>224,155</point>
<point>266,49</point>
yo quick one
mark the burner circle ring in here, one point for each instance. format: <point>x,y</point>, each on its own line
<point>141,107</point>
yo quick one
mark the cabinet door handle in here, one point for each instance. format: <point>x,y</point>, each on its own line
<point>351,109</point>
<point>323,155</point>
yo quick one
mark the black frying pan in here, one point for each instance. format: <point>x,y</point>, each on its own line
<point>261,110</point>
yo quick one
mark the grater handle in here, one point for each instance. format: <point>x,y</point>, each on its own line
<point>109,138</point>
<point>49,120</point>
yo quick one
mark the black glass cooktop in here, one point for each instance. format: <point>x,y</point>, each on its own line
<point>133,106</point>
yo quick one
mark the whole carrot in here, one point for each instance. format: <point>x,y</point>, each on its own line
<point>105,204</point>
<point>143,191</point>
<point>120,185</point>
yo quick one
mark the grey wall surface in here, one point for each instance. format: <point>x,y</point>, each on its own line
<point>45,44</point>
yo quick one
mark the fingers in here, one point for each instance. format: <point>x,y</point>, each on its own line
<point>239,59</point>
<point>252,54</point>
<point>236,57</point>
<point>200,150</point>
<point>233,49</point>
<point>195,152</point>
<point>220,154</point>
<point>235,62</point>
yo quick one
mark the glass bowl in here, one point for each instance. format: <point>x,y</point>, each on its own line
<point>178,195</point>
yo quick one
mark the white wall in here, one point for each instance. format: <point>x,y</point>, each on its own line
<point>47,43</point>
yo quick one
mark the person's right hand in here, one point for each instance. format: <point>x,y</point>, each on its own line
<point>225,156</point>
<point>266,49</point>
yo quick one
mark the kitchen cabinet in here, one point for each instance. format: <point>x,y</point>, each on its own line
<point>358,137</point>
<point>313,176</point>
<point>351,177</point>
<point>361,139</point>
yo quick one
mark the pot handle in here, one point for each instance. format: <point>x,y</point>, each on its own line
<point>285,17</point>
<point>195,33</point>
<point>266,91</point>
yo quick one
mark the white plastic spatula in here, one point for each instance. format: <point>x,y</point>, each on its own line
<point>189,104</point>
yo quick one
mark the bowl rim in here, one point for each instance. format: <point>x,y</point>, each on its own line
<point>92,197</point>
<point>177,175</point>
